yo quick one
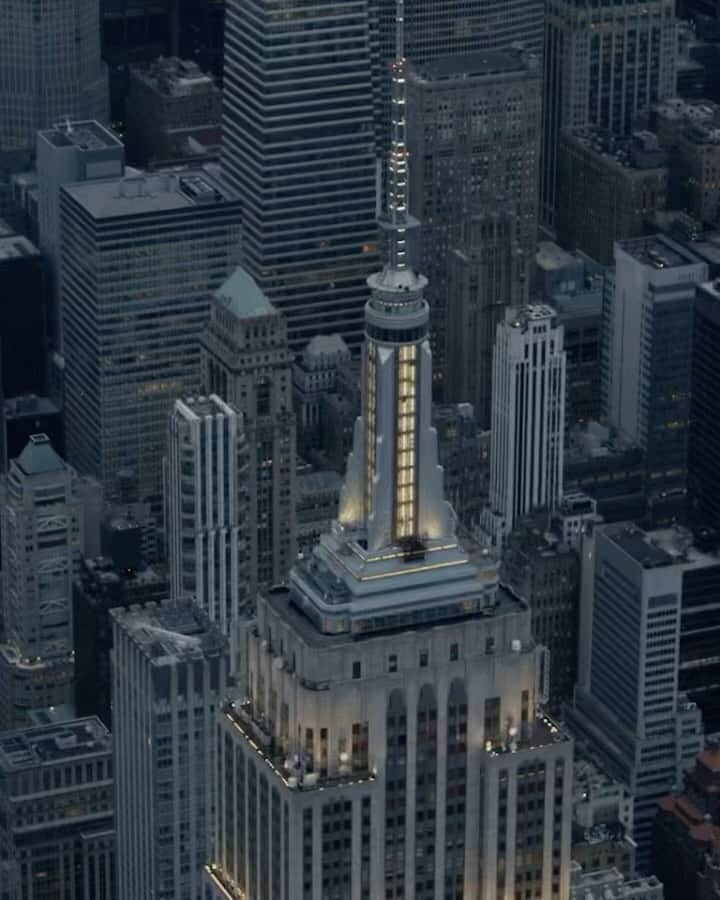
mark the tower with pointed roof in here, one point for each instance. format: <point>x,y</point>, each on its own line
<point>245,359</point>
<point>388,741</point>
<point>41,541</point>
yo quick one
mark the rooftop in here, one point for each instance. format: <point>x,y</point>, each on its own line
<point>658,252</point>
<point>84,135</point>
<point>640,152</point>
<point>241,295</point>
<point>29,405</point>
<point>175,77</point>
<point>15,246</point>
<point>660,547</point>
<point>325,345</point>
<point>475,64</point>
<point>171,634</point>
<point>551,257</point>
<point>521,316</point>
<point>635,543</point>
<point>53,743</point>
<point>38,457</point>
<point>194,408</point>
<point>309,483</point>
<point>180,188</point>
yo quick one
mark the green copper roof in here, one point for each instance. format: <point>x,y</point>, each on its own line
<point>242,296</point>
<point>39,456</point>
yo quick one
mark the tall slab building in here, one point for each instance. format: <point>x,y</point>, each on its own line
<point>206,509</point>
<point>648,314</point>
<point>528,419</point>
<point>170,669</point>
<point>387,741</point>
<point>140,258</point>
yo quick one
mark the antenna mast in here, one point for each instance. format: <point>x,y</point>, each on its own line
<point>397,204</point>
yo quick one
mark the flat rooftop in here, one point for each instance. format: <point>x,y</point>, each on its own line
<point>282,602</point>
<point>171,634</point>
<point>520,316</point>
<point>15,246</point>
<point>475,64</point>
<point>29,406</point>
<point>144,193</point>
<point>195,408</point>
<point>659,252</point>
<point>637,545</point>
<point>53,743</point>
<point>174,77</point>
<point>85,135</point>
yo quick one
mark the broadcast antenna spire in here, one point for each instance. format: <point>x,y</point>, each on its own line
<point>397,201</point>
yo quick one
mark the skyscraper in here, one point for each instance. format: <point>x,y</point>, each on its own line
<point>23,317</point>
<point>528,418</point>
<point>206,503</point>
<point>69,152</point>
<point>473,139</point>
<point>299,147</point>
<point>41,543</point>
<point>631,711</point>
<point>170,669</point>
<point>387,741</point>
<point>704,450</point>
<point>486,272</point>
<point>647,317</point>
<point>245,360</point>
<point>604,63</point>
<point>141,257</point>
<point>50,69</point>
<point>435,28</point>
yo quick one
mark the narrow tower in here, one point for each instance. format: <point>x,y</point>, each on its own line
<point>394,489</point>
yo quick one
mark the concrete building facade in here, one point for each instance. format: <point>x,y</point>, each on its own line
<point>207,502</point>
<point>171,104</point>
<point>42,533</point>
<point>528,419</point>
<point>606,188</point>
<point>170,670</point>
<point>69,152</point>
<point>245,359</point>
<point>473,137</point>
<point>57,837</point>
<point>604,64</point>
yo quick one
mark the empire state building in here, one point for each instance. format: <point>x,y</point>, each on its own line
<point>389,741</point>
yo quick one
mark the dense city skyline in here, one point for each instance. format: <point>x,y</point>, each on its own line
<point>359,523</point>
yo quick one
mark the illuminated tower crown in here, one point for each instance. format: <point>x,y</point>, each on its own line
<point>394,485</point>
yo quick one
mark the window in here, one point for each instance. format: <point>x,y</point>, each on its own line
<point>453,652</point>
<point>423,659</point>
<point>356,669</point>
<point>392,663</point>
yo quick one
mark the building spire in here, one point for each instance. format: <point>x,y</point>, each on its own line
<point>397,201</point>
<point>393,492</point>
